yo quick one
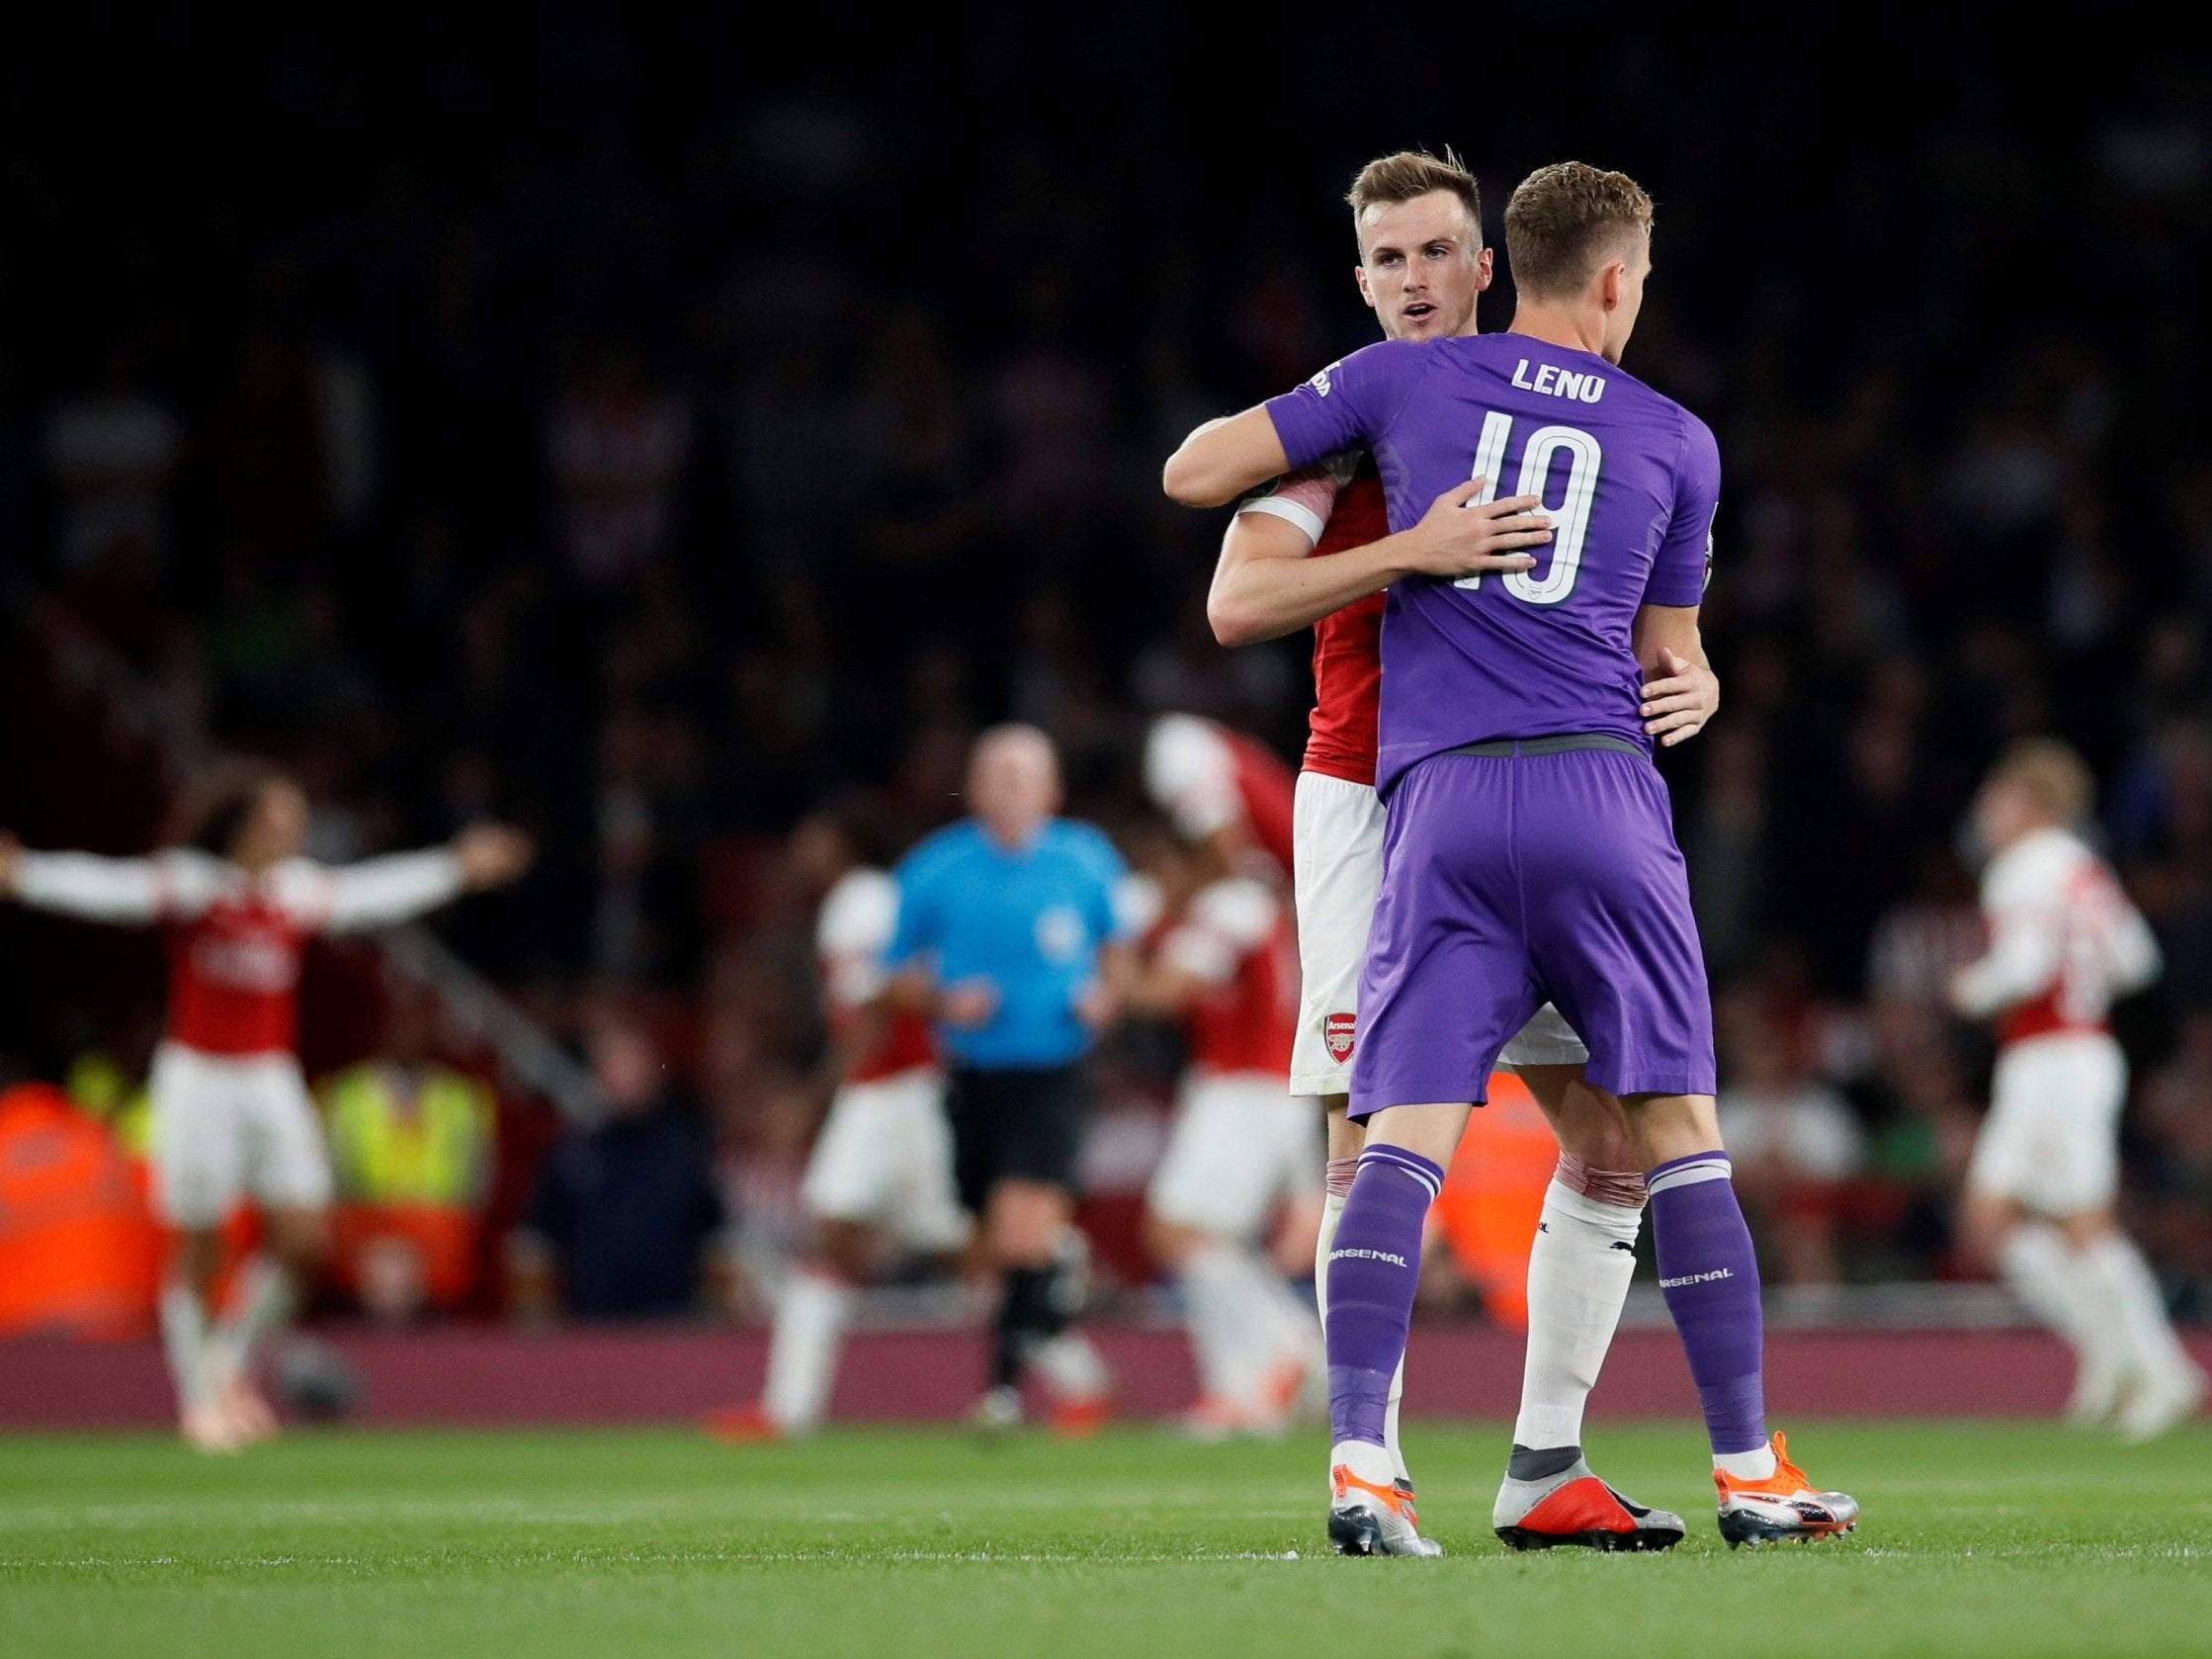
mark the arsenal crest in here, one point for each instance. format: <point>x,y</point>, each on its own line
<point>1336,1033</point>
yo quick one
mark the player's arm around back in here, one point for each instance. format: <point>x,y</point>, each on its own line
<point>1224,458</point>
<point>1266,585</point>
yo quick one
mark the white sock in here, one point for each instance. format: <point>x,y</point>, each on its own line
<point>811,1319</point>
<point>1577,1282</point>
<point>1332,1210</point>
<point>1756,1465</point>
<point>2045,1275</point>
<point>2125,1282</point>
<point>1072,1367</point>
<point>1369,1462</point>
<point>264,1303</point>
<point>1292,1329</point>
<point>184,1342</point>
<point>1218,1316</point>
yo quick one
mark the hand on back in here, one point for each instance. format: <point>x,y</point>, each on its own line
<point>1455,539</point>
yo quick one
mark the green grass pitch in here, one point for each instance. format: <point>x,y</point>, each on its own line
<point>1976,1539</point>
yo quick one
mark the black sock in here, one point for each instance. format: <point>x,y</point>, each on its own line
<point>1029,1317</point>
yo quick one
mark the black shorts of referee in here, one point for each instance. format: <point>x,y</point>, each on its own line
<point>1016,1123</point>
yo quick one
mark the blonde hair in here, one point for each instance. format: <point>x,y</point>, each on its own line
<point>1563,220</point>
<point>1388,180</point>
<point>2051,773</point>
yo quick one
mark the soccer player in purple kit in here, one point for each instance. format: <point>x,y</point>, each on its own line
<point>1529,850</point>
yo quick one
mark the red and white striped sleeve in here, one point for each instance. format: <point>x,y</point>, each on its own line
<point>1305,497</point>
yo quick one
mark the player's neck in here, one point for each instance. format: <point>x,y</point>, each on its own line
<point>1560,325</point>
<point>1011,836</point>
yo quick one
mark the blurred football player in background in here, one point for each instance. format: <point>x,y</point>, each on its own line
<point>1241,1176</point>
<point>2064,943</point>
<point>231,1114</point>
<point>881,1164</point>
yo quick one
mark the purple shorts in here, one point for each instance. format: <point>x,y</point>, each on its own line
<point>1513,880</point>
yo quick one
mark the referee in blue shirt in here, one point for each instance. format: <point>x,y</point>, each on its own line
<point>1008,935</point>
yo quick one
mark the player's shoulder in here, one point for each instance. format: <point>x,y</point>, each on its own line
<point>1085,841</point>
<point>941,850</point>
<point>1379,361</point>
<point>2035,865</point>
<point>188,876</point>
<point>859,910</point>
<point>1696,430</point>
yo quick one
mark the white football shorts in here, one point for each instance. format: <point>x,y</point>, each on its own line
<point>227,1127</point>
<point>1241,1144</point>
<point>885,1160</point>
<point>2051,1141</point>
<point>1336,847</point>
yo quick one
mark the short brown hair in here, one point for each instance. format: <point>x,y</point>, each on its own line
<point>2051,773</point>
<point>1390,179</point>
<point>1562,218</point>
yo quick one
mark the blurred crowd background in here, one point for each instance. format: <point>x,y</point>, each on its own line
<point>616,430</point>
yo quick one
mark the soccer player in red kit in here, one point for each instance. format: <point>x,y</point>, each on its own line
<point>1315,549</point>
<point>232,1118</point>
<point>881,1164</point>
<point>1241,1174</point>
<point>2065,943</point>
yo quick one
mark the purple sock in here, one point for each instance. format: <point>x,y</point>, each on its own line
<point>1373,1268</point>
<point>1711,1280</point>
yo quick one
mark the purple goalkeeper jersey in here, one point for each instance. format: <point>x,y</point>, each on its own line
<point>1629,476</point>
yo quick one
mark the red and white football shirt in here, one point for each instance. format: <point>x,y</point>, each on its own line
<point>857,921</point>
<point>237,941</point>
<point>1236,937</point>
<point>1207,776</point>
<point>2064,941</point>
<point>1338,502</point>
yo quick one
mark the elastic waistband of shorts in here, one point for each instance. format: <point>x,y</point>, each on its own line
<point>1566,742</point>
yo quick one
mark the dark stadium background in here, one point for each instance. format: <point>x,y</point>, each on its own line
<point>899,316</point>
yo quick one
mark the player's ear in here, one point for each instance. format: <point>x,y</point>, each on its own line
<point>1359,276</point>
<point>1609,283</point>
<point>1483,263</point>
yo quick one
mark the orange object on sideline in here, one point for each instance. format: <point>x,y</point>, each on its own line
<point>79,1254</point>
<point>1494,1197</point>
<point>443,1239</point>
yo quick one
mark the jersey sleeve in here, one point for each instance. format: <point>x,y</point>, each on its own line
<point>1347,404</point>
<point>1190,773</point>
<point>168,887</point>
<point>376,892</point>
<point>2131,947</point>
<point>1140,902</point>
<point>1685,561</point>
<point>2019,905</point>
<point>1225,924</point>
<point>856,923</point>
<point>1305,497</point>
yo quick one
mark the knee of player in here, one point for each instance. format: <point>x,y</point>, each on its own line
<point>301,1239</point>
<point>844,1250</point>
<point>1169,1242</point>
